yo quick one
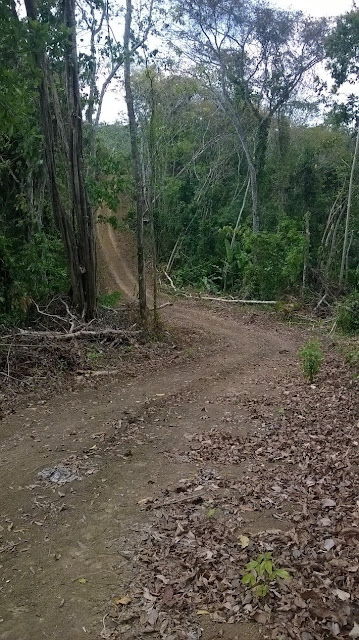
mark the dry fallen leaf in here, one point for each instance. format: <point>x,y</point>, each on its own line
<point>202,612</point>
<point>342,595</point>
<point>124,600</point>
<point>243,541</point>
<point>328,502</point>
<point>328,544</point>
<point>354,633</point>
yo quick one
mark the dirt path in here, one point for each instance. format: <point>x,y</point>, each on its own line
<point>61,547</point>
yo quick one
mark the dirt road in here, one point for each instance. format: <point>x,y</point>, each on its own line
<point>61,561</point>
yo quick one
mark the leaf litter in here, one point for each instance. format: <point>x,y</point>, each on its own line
<point>301,467</point>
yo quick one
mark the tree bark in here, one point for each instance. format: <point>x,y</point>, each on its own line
<point>140,200</point>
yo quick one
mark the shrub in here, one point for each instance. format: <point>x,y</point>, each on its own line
<point>110,300</point>
<point>347,314</point>
<point>311,356</point>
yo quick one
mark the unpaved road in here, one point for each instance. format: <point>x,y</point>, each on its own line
<point>60,547</point>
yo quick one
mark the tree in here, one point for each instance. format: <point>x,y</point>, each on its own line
<point>101,65</point>
<point>258,57</point>
<point>136,162</point>
<point>342,47</point>
<point>75,220</point>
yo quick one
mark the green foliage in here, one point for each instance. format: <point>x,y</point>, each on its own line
<point>31,271</point>
<point>266,264</point>
<point>261,572</point>
<point>347,314</point>
<point>311,356</point>
<point>351,356</point>
<point>342,49</point>
<point>110,300</point>
<point>93,355</point>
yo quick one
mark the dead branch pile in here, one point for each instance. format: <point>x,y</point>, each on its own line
<point>57,342</point>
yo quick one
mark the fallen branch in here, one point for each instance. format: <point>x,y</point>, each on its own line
<point>162,306</point>
<point>83,333</point>
<point>236,300</point>
<point>170,280</point>
<point>101,372</point>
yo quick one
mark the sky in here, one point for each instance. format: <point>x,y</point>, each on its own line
<point>114,106</point>
<point>317,8</point>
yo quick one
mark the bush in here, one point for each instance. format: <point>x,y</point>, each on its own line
<point>347,315</point>
<point>110,300</point>
<point>311,356</point>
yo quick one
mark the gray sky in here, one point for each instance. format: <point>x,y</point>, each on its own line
<point>317,8</point>
<point>114,106</point>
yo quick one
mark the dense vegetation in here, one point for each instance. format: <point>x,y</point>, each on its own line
<point>244,165</point>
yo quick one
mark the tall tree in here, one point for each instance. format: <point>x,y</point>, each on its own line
<point>257,56</point>
<point>136,163</point>
<point>342,48</point>
<point>75,219</point>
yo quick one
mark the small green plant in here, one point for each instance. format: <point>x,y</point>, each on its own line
<point>110,300</point>
<point>351,356</point>
<point>93,355</point>
<point>311,356</point>
<point>260,573</point>
<point>347,315</point>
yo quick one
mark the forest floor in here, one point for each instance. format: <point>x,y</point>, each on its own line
<point>173,479</point>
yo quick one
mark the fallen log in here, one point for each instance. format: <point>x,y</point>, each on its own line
<point>82,333</point>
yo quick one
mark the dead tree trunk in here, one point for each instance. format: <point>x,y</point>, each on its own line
<point>140,200</point>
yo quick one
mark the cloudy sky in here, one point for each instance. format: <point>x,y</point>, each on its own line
<point>318,7</point>
<point>114,105</point>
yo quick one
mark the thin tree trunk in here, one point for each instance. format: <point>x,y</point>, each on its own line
<point>140,201</point>
<point>350,193</point>
<point>240,214</point>
<point>81,206</point>
<point>306,253</point>
<point>152,197</point>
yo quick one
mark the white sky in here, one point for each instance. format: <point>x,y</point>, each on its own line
<point>317,8</point>
<point>114,106</point>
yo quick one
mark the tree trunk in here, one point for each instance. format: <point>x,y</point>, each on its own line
<point>261,147</point>
<point>350,193</point>
<point>82,213</point>
<point>140,201</point>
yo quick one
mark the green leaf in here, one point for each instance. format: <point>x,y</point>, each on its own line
<point>261,568</point>
<point>253,580</point>
<point>229,250</point>
<point>247,578</point>
<point>268,567</point>
<point>261,590</point>
<point>282,573</point>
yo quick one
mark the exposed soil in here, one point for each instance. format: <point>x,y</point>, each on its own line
<point>67,551</point>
